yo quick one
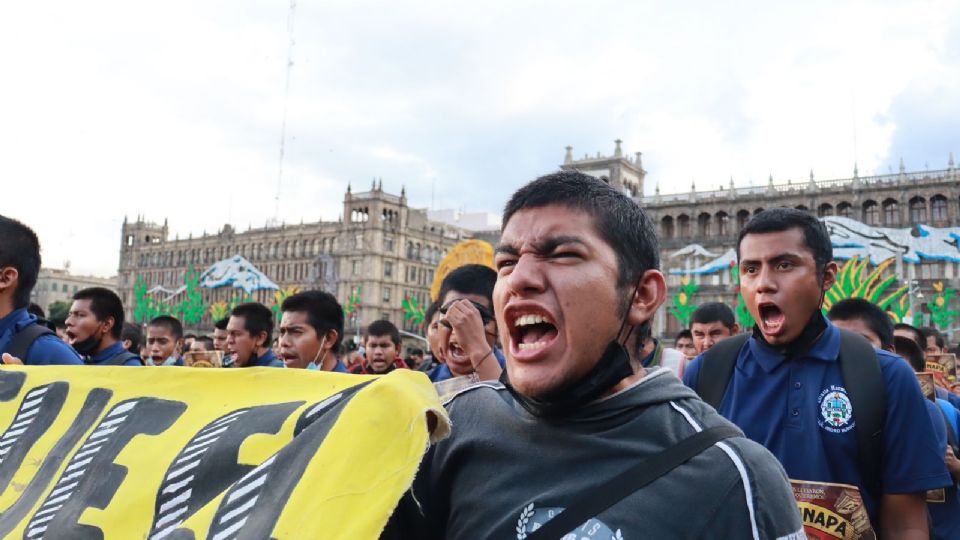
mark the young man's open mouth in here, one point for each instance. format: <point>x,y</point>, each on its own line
<point>531,334</point>
<point>772,319</point>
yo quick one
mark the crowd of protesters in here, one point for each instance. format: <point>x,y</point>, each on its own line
<point>562,399</point>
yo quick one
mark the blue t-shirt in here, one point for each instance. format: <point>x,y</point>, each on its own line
<point>45,350</point>
<point>442,372</point>
<point>339,368</point>
<point>105,355</point>
<point>945,515</point>
<point>799,410</point>
<point>267,360</point>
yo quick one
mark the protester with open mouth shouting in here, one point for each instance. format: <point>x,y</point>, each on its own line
<point>814,395</point>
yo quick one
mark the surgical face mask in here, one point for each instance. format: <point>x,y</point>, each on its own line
<point>170,361</point>
<point>318,360</point>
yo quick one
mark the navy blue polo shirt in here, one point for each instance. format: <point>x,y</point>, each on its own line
<point>46,350</point>
<point>945,515</point>
<point>267,360</point>
<point>442,371</point>
<point>105,355</point>
<point>799,410</point>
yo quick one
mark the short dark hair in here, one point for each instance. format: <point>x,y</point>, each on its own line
<point>928,331</point>
<point>189,336</point>
<point>415,352</point>
<point>470,279</point>
<point>431,311</point>
<point>685,333</point>
<point>134,334</point>
<point>714,312</point>
<point>815,235</point>
<point>384,328</point>
<point>172,324</point>
<point>221,324</point>
<point>34,309</point>
<point>917,334</point>
<point>859,309</point>
<point>104,303</point>
<point>910,351</point>
<point>620,221</point>
<point>206,340</point>
<point>20,248</point>
<point>257,318</point>
<point>323,311</point>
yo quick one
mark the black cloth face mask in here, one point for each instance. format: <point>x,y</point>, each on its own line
<point>613,367</point>
<point>88,346</point>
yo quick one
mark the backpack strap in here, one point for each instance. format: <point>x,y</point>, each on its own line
<point>23,340</point>
<point>716,368</point>
<point>868,395</point>
<point>594,501</point>
<point>121,358</point>
<point>951,432</point>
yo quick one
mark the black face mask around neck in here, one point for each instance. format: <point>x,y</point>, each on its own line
<point>88,346</point>
<point>814,328</point>
<point>613,367</point>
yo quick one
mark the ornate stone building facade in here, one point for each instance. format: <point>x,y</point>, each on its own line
<point>381,247</point>
<point>712,219</point>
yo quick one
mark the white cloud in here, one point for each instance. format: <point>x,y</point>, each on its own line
<point>174,110</point>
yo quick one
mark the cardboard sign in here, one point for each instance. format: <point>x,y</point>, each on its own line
<point>203,359</point>
<point>832,511</point>
<point>927,385</point>
<point>130,452</point>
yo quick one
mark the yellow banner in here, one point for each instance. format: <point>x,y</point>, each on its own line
<point>179,453</point>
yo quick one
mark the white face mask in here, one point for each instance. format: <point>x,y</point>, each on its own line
<point>318,360</point>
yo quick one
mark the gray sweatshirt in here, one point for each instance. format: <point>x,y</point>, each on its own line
<point>504,472</point>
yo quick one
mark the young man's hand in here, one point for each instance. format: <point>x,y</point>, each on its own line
<point>9,359</point>
<point>953,464</point>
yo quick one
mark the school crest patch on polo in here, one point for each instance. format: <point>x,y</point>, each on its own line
<point>836,410</point>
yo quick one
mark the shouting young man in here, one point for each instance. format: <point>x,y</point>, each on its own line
<point>310,330</point>
<point>576,414</point>
<point>788,391</point>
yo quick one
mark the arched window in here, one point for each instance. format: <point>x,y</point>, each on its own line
<point>825,209</point>
<point>918,210</point>
<point>871,213</point>
<point>683,226</point>
<point>845,209</point>
<point>666,227</point>
<point>938,209</point>
<point>743,216</point>
<point>703,225</point>
<point>723,223</point>
<point>891,213</point>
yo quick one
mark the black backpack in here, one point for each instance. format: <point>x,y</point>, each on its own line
<point>862,379</point>
<point>23,340</point>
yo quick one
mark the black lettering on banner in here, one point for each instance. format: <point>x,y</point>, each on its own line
<point>207,465</point>
<point>91,478</point>
<point>38,410</point>
<point>10,384</point>
<point>92,408</point>
<point>239,515</point>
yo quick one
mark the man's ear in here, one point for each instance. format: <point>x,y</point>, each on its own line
<point>108,324</point>
<point>830,272</point>
<point>650,293</point>
<point>9,277</point>
<point>735,330</point>
<point>331,336</point>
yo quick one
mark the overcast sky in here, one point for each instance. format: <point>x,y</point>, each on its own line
<point>174,109</point>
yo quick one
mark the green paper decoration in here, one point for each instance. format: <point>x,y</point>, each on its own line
<point>353,302</point>
<point>940,313</point>
<point>744,318</point>
<point>413,310</point>
<point>854,281</point>
<point>682,309</point>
